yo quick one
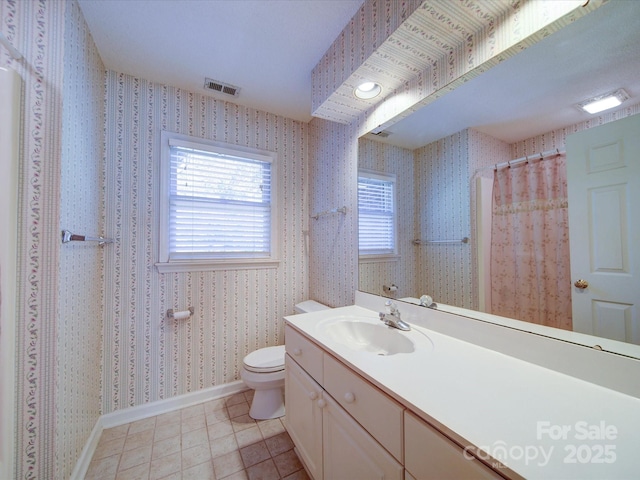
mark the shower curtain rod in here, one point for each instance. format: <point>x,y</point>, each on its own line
<point>12,50</point>
<point>526,158</point>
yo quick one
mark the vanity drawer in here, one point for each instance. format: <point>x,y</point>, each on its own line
<point>430,455</point>
<point>306,353</point>
<point>380,415</point>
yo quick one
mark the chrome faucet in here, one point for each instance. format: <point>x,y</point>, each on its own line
<point>392,317</point>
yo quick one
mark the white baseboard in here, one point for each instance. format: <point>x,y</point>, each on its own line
<point>140,412</point>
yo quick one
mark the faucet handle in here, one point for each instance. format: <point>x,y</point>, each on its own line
<point>427,301</point>
<point>391,307</point>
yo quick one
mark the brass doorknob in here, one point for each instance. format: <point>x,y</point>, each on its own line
<point>581,284</point>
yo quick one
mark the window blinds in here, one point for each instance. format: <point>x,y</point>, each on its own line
<point>219,204</point>
<point>376,216</point>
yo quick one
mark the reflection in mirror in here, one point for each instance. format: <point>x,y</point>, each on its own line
<point>440,180</point>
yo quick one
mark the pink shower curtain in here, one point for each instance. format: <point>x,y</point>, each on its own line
<point>530,275</point>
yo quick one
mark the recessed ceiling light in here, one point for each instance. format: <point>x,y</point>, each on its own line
<point>604,102</point>
<point>367,90</point>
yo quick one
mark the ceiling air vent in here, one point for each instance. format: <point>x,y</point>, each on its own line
<point>381,133</point>
<point>221,87</point>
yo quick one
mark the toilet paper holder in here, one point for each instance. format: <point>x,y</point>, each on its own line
<point>171,313</point>
<point>393,288</point>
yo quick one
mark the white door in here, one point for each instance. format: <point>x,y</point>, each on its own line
<point>603,172</point>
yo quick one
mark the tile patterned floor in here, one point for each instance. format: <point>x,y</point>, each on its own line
<point>210,441</point>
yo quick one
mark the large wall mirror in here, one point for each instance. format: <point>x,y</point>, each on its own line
<point>443,160</point>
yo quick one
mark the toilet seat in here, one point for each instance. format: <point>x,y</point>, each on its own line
<point>265,360</point>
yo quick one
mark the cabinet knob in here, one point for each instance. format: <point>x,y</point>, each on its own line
<point>297,352</point>
<point>322,403</point>
<point>313,395</point>
<point>349,397</point>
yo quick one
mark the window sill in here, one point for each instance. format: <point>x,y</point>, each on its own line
<point>378,258</point>
<point>210,266</point>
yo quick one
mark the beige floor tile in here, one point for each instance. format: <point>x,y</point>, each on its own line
<point>173,476</point>
<point>100,468</point>
<point>141,425</point>
<point>265,470</point>
<point>217,416</point>
<point>168,430</point>
<point>166,447</point>
<point>139,472</point>
<point>220,429</point>
<point>162,467</point>
<point>279,444</point>
<point>195,455</point>
<point>222,446</point>
<point>254,454</point>
<point>213,405</point>
<point>192,410</point>
<point>109,447</point>
<point>271,428</point>
<point>203,471</point>
<point>137,456</point>
<point>195,437</point>
<point>169,417</point>
<point>214,440</point>
<point>139,439</point>
<point>299,475</point>
<point>287,463</point>
<point>228,464</point>
<point>235,399</point>
<point>248,395</point>
<point>248,436</point>
<point>241,475</point>
<point>238,409</point>
<point>194,422</point>
<point>113,433</point>
<point>242,422</point>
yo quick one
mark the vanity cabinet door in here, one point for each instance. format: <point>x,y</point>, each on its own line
<point>304,416</point>
<point>350,452</point>
<point>431,455</point>
<point>380,415</point>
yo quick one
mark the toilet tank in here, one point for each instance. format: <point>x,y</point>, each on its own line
<point>309,306</point>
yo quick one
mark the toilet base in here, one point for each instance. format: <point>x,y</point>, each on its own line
<point>267,404</point>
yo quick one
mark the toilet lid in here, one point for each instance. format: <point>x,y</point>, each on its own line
<point>265,360</point>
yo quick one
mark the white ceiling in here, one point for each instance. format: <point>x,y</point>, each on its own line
<point>268,48</point>
<point>537,90</point>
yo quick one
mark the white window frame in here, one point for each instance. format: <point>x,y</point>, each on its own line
<point>381,257</point>
<point>208,263</point>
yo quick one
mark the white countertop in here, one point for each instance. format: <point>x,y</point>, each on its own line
<point>538,422</point>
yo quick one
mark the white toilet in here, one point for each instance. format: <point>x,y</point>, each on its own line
<point>263,371</point>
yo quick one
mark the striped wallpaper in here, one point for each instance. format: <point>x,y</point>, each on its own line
<point>147,356</point>
<point>97,173</point>
<point>80,275</point>
<point>402,272</point>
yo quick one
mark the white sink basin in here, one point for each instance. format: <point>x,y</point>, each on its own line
<point>368,337</point>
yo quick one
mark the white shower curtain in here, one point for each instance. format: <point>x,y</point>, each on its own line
<point>530,274</point>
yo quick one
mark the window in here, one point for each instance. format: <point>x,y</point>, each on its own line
<point>217,207</point>
<point>377,219</point>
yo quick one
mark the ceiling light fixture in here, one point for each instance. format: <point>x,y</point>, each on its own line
<point>604,102</point>
<point>367,90</point>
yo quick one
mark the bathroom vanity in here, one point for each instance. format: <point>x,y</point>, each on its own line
<point>367,401</point>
